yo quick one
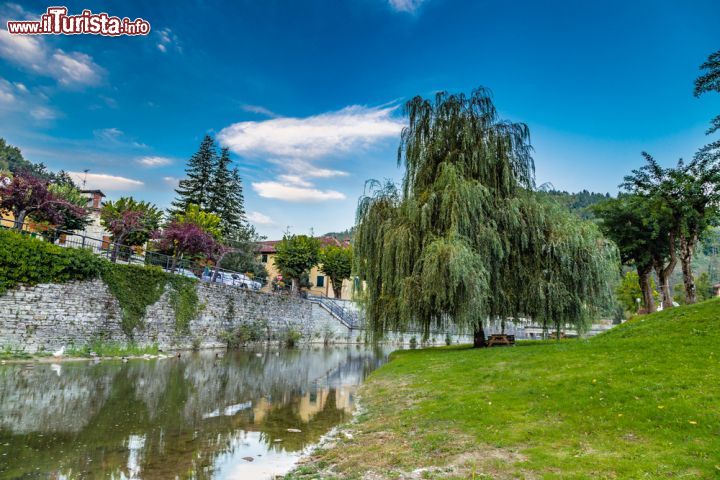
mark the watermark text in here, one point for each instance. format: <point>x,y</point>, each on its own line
<point>56,21</point>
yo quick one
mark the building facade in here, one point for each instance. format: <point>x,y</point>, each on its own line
<point>320,283</point>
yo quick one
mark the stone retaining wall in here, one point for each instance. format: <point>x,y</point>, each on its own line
<point>47,316</point>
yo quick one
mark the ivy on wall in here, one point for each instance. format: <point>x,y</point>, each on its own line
<point>135,288</point>
<point>183,299</point>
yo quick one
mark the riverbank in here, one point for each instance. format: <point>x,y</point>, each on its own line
<point>638,401</point>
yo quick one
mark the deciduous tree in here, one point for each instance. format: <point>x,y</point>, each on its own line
<point>467,239</point>
<point>26,195</point>
<point>296,255</point>
<point>336,263</point>
<point>130,222</point>
<point>186,239</point>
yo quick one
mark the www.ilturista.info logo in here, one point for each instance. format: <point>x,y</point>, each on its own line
<point>56,21</point>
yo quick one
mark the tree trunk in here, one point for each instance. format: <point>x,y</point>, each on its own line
<point>19,219</point>
<point>479,336</point>
<point>295,286</point>
<point>337,289</point>
<point>646,289</point>
<point>687,246</point>
<point>664,273</point>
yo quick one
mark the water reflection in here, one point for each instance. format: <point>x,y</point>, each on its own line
<point>193,417</point>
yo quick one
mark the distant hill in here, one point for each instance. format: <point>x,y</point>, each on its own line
<point>578,203</point>
<point>344,235</point>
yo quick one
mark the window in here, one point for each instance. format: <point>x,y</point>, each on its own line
<point>320,281</point>
<point>264,258</point>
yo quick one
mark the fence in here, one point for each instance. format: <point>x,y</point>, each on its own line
<point>129,254</point>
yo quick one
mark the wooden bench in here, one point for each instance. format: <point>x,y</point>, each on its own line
<point>501,340</point>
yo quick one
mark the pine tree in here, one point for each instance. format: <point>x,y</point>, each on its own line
<point>236,202</point>
<point>220,189</point>
<point>226,197</point>
<point>195,188</point>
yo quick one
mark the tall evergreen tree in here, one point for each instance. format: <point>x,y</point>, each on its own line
<point>235,208</point>
<point>195,189</point>
<point>226,196</point>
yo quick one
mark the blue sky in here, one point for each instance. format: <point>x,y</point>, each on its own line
<point>305,92</point>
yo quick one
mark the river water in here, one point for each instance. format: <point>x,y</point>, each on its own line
<point>194,417</point>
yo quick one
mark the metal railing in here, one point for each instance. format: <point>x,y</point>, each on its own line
<point>126,254</point>
<point>350,317</point>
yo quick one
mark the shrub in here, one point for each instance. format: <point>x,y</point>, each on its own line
<point>244,333</point>
<point>29,261</point>
<point>292,337</point>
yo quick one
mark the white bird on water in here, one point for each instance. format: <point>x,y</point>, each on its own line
<point>59,353</point>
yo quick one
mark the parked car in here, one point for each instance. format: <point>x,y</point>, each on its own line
<point>235,279</point>
<point>185,273</point>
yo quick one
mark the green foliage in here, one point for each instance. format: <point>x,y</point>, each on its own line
<point>296,254</point>
<point>291,337</point>
<point>246,332</point>
<point>103,348</point>
<point>638,227</point>
<point>196,187</point>
<point>135,287</point>
<point>130,233</point>
<point>29,261</point>
<point>11,159</point>
<point>709,81</point>
<point>628,291</point>
<point>336,263</point>
<point>9,352</point>
<point>205,220</point>
<point>184,300</point>
<point>467,239</point>
<point>226,197</point>
<point>70,193</point>
<point>703,289</point>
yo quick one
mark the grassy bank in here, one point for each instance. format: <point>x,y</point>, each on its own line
<point>641,401</point>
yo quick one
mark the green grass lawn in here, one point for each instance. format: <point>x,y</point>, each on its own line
<point>640,401</point>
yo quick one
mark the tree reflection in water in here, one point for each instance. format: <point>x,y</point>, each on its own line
<point>194,417</point>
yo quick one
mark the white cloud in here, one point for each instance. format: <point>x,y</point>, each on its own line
<point>171,181</point>
<point>16,99</point>
<point>294,144</point>
<point>405,5</point>
<point>259,218</point>
<point>260,110</point>
<point>152,162</point>
<point>108,134</point>
<point>294,180</point>
<point>303,169</point>
<point>167,39</point>
<point>43,113</point>
<point>104,181</point>
<point>32,53</point>
<point>293,193</point>
<point>312,137</point>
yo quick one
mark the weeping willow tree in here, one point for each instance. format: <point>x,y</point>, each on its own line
<point>465,239</point>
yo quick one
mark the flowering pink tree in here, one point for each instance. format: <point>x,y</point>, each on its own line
<point>127,223</point>
<point>26,195</point>
<point>186,239</point>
